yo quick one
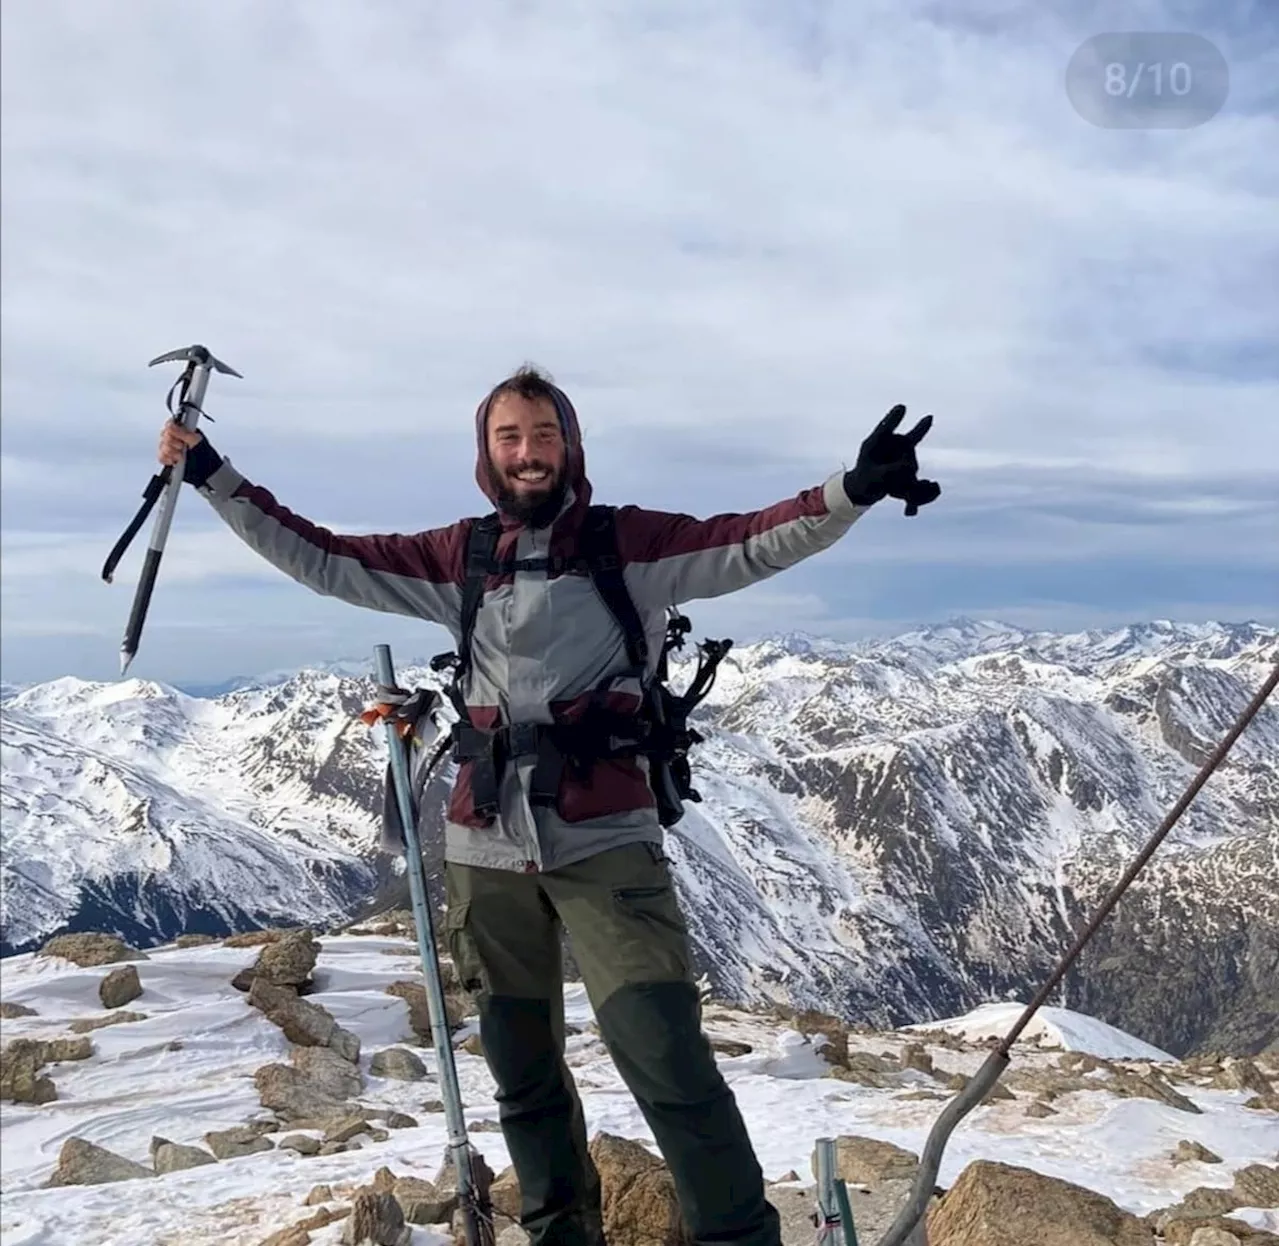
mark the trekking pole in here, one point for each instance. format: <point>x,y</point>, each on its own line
<point>996,1063</point>
<point>164,487</point>
<point>833,1198</point>
<point>472,1199</point>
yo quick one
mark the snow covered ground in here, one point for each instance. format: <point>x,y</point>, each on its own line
<point>188,1069</point>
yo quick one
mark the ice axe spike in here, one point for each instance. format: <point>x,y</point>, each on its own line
<point>163,487</point>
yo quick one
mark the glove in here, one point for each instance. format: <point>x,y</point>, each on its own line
<point>887,466</point>
<point>202,460</point>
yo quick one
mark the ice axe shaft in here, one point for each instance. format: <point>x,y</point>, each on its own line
<point>996,1063</point>
<point>164,488</point>
<point>473,1200</point>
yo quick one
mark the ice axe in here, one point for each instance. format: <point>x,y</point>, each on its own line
<point>163,487</point>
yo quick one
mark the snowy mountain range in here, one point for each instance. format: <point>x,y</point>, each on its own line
<point>893,831</point>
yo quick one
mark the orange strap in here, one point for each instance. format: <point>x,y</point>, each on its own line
<point>372,716</point>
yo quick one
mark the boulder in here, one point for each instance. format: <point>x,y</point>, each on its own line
<point>1256,1186</point>
<point>295,1097</point>
<point>836,1033</point>
<point>89,950</point>
<point>120,987</point>
<point>239,1140</point>
<point>422,1202</point>
<point>328,1072</point>
<point>866,1161</point>
<point>22,1062</point>
<point>303,1144</point>
<point>399,1063</point>
<point>193,940</point>
<point>1189,1152</point>
<point>85,1025</point>
<point>169,1156</point>
<point>11,1012</point>
<point>414,995</point>
<point>304,1023</point>
<point>288,960</point>
<point>914,1056</point>
<point>993,1204</point>
<point>376,1220</point>
<point>638,1195</point>
<point>83,1163</point>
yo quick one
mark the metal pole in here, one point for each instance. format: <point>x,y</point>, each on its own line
<point>478,1226</point>
<point>900,1232</point>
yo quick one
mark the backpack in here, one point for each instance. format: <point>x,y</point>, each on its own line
<point>660,731</point>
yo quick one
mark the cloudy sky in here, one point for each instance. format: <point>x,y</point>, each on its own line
<point>736,233</point>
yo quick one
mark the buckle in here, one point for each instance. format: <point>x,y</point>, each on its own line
<point>523,739</point>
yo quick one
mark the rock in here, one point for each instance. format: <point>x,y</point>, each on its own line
<point>1265,1103</point>
<point>193,940</point>
<point>243,981</point>
<point>1187,1152</point>
<point>239,1140</point>
<point>504,1194</point>
<point>304,1023</point>
<point>1242,1074</point>
<point>836,1048</point>
<point>399,1063</point>
<point>295,1097</point>
<point>730,1047</point>
<point>638,1194</point>
<point>85,1025</point>
<point>1210,1235</point>
<point>289,960</point>
<point>422,1202</point>
<point>344,1131</point>
<point>304,1144</point>
<point>384,1180</point>
<point>20,1079</point>
<point>994,1204</point>
<point>1150,1085</point>
<point>294,1235</point>
<point>790,1175</point>
<point>401,1120</point>
<point>332,1148</point>
<point>89,950</point>
<point>1257,1186</point>
<point>56,1050</point>
<point>375,1220</point>
<point>1039,1110</point>
<point>83,1163</point>
<point>432,1106</point>
<point>11,1012</point>
<point>865,1161</point>
<point>914,1056</point>
<point>414,994</point>
<point>472,1045</point>
<point>254,938</point>
<point>1203,1202</point>
<point>484,1127</point>
<point>169,1156</point>
<point>1182,1232</point>
<point>1080,1061</point>
<point>120,987</point>
<point>866,1069</point>
<point>958,1081</point>
<point>328,1072</point>
<point>512,1235</point>
<point>318,1194</point>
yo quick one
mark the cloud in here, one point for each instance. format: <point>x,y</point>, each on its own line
<point>736,234</point>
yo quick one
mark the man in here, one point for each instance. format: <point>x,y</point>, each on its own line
<point>524,856</point>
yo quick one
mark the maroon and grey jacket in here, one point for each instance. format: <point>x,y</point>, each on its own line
<point>542,642</point>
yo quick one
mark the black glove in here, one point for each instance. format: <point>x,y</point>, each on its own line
<point>887,466</point>
<point>200,462</point>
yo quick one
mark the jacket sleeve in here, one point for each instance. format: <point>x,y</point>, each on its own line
<point>671,558</point>
<point>416,574</point>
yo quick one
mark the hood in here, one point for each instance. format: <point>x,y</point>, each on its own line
<point>578,495</point>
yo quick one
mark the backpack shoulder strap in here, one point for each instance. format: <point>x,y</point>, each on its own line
<point>482,544</point>
<point>599,547</point>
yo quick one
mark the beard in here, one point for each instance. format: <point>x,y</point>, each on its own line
<point>534,509</point>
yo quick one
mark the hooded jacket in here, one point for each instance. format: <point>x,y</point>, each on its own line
<point>542,642</point>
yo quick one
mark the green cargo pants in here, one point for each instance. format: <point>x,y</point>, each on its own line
<point>630,941</point>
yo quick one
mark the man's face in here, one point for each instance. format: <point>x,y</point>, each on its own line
<point>527,456</point>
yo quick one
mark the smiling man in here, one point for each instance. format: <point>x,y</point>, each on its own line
<point>554,820</point>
